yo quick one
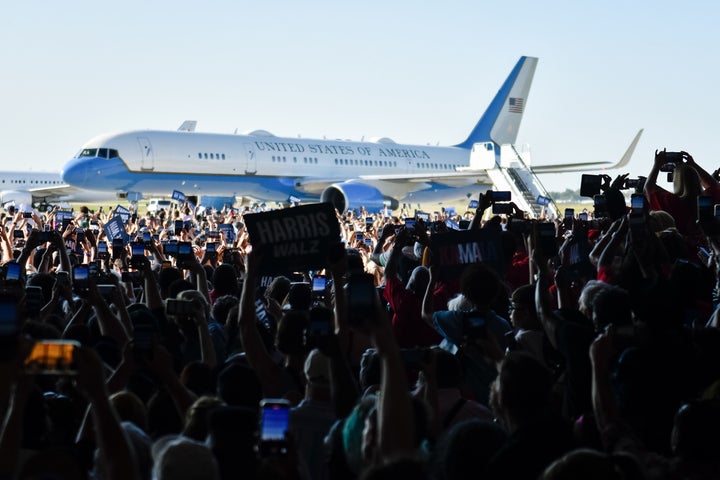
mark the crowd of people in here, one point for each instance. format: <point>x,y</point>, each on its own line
<point>592,352</point>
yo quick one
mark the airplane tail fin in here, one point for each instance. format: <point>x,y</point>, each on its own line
<point>501,121</point>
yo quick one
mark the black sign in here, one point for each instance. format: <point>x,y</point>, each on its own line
<point>455,250</point>
<point>295,239</point>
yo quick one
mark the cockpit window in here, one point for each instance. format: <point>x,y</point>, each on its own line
<point>103,152</point>
<point>114,153</point>
<point>88,152</point>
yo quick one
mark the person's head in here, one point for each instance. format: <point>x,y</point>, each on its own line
<point>523,314</point>
<point>197,418</point>
<point>521,391</point>
<point>291,332</point>
<point>278,289</point>
<point>224,280</point>
<point>130,408</point>
<point>586,464</point>
<point>166,277</point>
<point>180,458</point>
<point>300,296</point>
<point>589,291</point>
<point>198,377</point>
<point>222,307</point>
<point>696,431</point>
<point>686,181</point>
<point>480,284</point>
<point>467,448</point>
<point>238,385</point>
<point>611,306</point>
<point>418,281</point>
<point>196,297</point>
<point>659,220</point>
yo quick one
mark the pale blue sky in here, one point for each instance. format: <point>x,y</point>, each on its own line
<point>417,72</point>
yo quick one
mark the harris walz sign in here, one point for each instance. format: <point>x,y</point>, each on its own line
<point>294,239</point>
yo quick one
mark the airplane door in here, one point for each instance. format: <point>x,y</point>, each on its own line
<point>251,159</point>
<point>147,155</point>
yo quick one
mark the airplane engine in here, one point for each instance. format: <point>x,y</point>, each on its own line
<point>9,196</point>
<point>349,196</point>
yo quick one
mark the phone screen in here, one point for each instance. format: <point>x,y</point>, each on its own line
<point>275,418</point>
<point>8,317</point>
<point>501,196</point>
<point>637,202</point>
<point>102,247</point>
<point>318,284</point>
<point>210,247</point>
<point>80,274</point>
<point>12,271</point>
<point>569,212</point>
<point>138,249</point>
<point>52,357</point>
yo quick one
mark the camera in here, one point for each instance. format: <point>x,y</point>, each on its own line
<point>174,306</point>
<point>671,159</point>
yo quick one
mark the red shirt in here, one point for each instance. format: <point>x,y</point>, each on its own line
<point>408,326</point>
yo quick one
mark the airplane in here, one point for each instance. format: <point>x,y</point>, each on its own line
<point>374,174</point>
<point>42,189</point>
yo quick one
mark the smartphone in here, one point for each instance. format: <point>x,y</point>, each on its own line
<point>137,249</point>
<point>319,284</point>
<point>13,271</point>
<point>545,239</point>
<point>8,317</point>
<point>173,306</point>
<point>359,236</point>
<point>52,357</point>
<point>147,237</point>
<point>18,234</point>
<point>583,216</point>
<point>27,214</point>
<point>144,337</point>
<point>80,234</point>
<point>80,276</point>
<point>274,421</point>
<point>502,209</point>
<point>102,247</point>
<point>705,209</point>
<point>106,291</point>
<point>34,300</point>
<point>590,185</point>
<point>501,196</point>
<point>210,247</point>
<point>473,205</point>
<point>63,278</point>
<point>570,213</point>
<point>600,205</point>
<point>409,223</point>
<point>178,227</point>
<point>118,246</point>
<point>637,203</point>
<point>185,252</point>
<point>360,298</point>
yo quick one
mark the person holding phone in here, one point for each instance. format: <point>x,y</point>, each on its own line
<point>681,203</point>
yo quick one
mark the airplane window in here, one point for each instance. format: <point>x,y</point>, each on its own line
<point>212,157</point>
<point>113,153</point>
<point>103,152</point>
<point>205,155</point>
<point>223,156</point>
<point>200,156</point>
<point>217,156</point>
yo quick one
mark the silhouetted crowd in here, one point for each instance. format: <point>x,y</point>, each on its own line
<point>427,345</point>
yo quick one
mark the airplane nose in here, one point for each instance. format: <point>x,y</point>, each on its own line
<point>75,172</point>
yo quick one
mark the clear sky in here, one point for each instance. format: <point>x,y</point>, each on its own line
<point>417,72</point>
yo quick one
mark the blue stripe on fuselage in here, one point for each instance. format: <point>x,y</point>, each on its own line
<point>93,172</point>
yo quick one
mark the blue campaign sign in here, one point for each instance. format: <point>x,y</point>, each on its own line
<point>115,228</point>
<point>124,213</point>
<point>228,230</point>
<point>179,196</point>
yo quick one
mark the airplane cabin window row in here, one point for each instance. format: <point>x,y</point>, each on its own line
<point>211,156</point>
<point>35,182</point>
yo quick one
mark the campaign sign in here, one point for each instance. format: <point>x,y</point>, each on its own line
<point>115,228</point>
<point>179,196</point>
<point>124,213</point>
<point>295,239</point>
<point>228,230</point>
<point>454,250</point>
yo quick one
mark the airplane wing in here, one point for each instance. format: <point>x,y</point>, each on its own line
<point>68,193</point>
<point>450,179</point>
<point>586,166</point>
